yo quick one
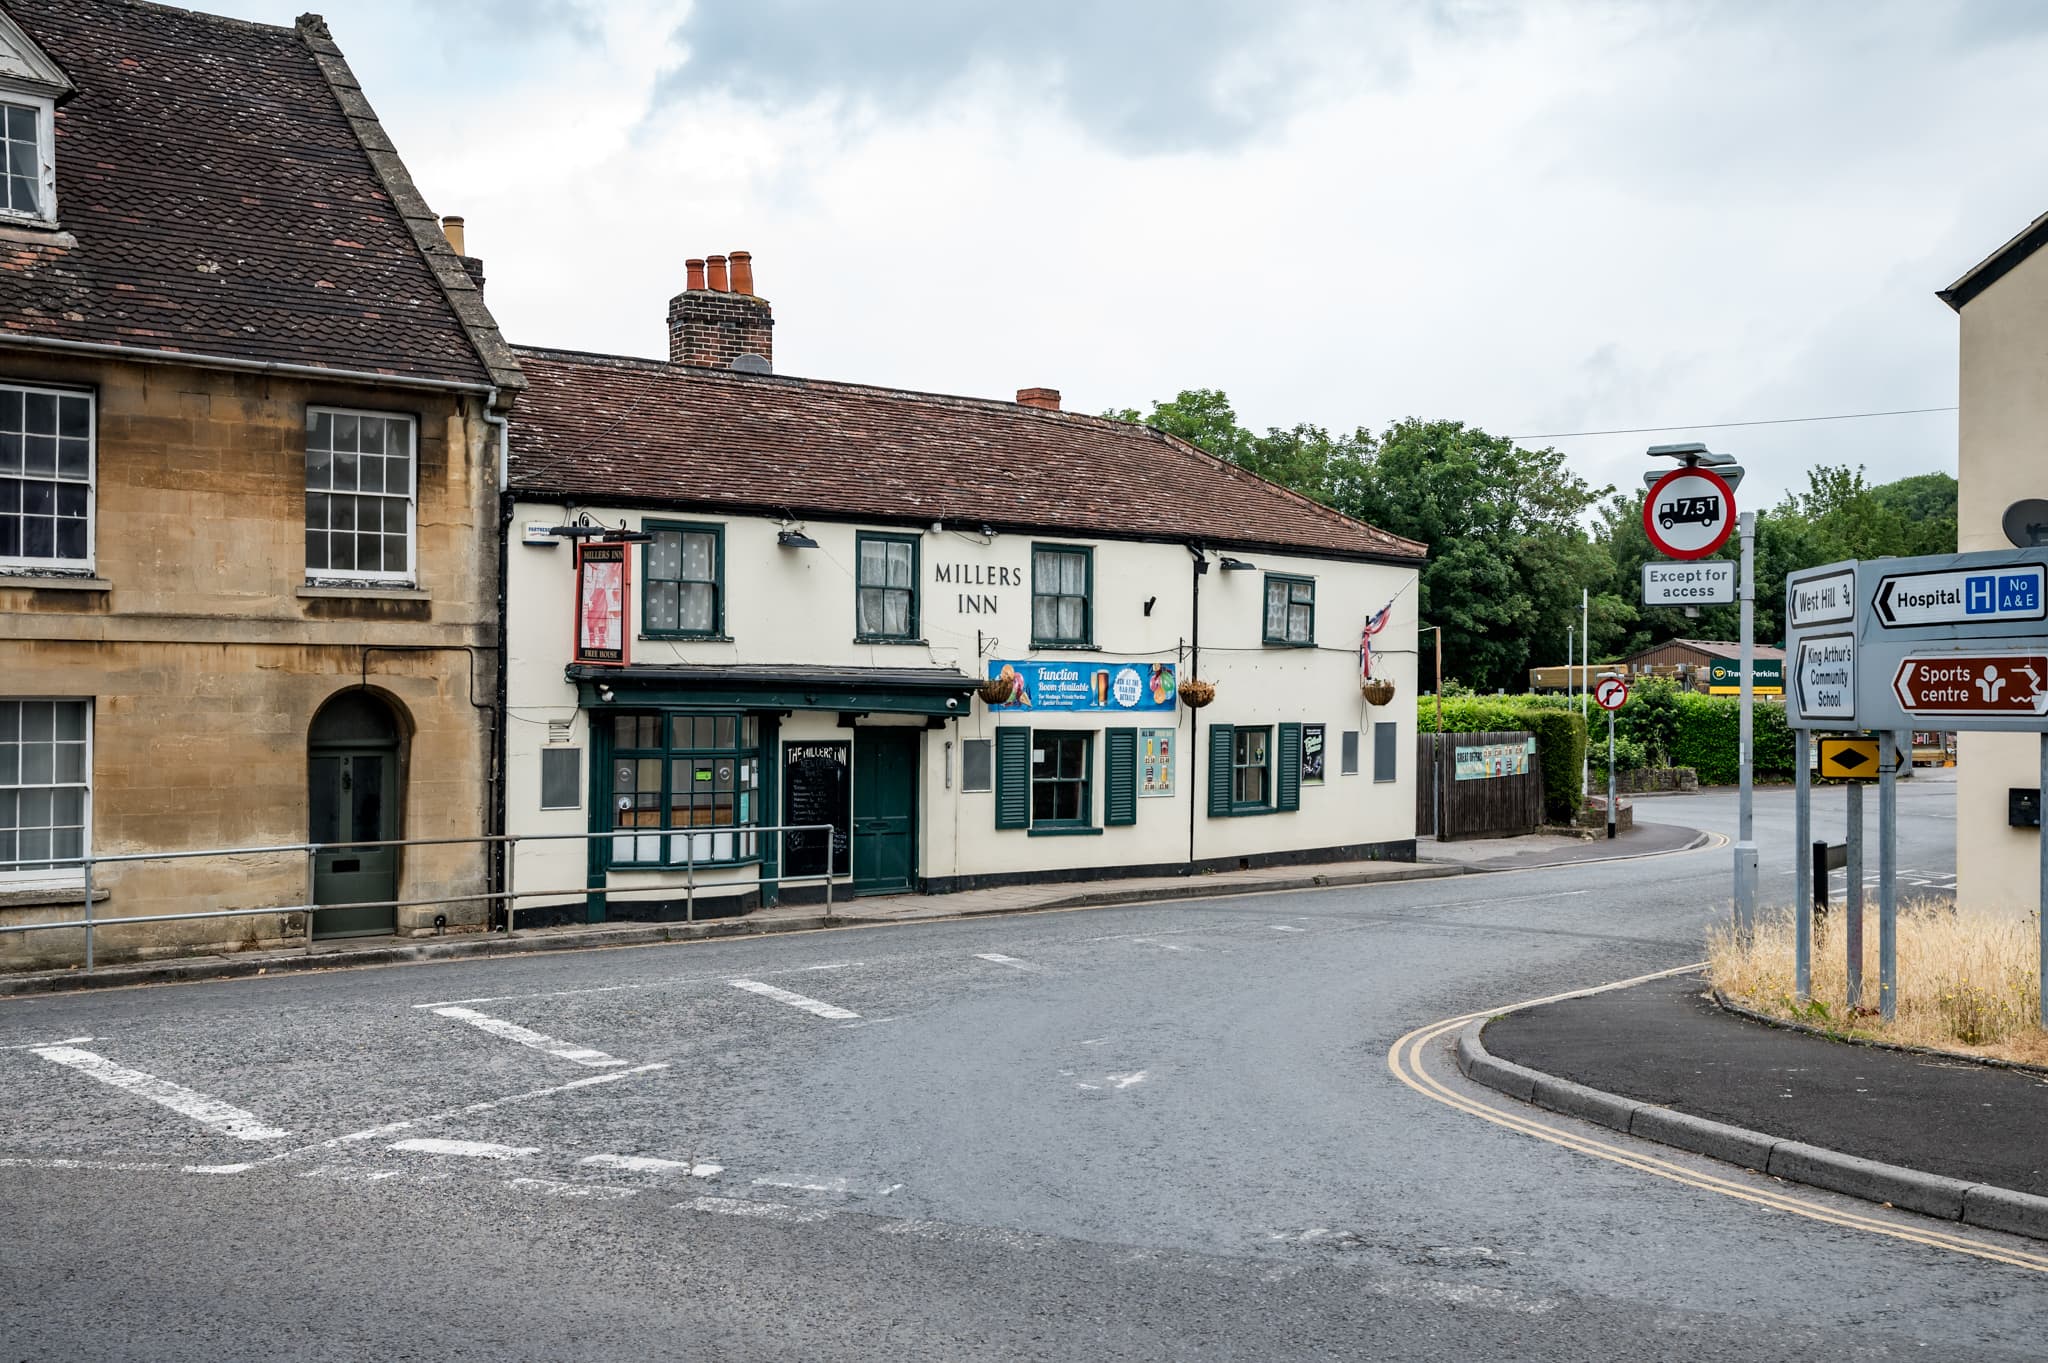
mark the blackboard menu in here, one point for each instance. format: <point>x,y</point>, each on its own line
<point>817,788</point>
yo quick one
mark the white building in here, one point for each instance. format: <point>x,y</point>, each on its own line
<point>2002,452</point>
<point>832,573</point>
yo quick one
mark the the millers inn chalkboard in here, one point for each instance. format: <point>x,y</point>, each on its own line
<point>817,788</point>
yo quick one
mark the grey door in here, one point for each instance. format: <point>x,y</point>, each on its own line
<point>353,795</point>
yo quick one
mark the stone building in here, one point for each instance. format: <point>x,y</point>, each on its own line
<point>251,408</point>
<point>739,600</point>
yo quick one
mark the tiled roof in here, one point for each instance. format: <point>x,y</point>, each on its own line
<point>224,190</point>
<point>1717,648</point>
<point>609,428</point>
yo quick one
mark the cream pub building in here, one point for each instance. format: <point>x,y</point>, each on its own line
<point>963,633</point>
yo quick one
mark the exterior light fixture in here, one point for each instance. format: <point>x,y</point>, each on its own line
<point>794,539</point>
<point>1236,565</point>
<point>604,693</point>
<point>582,528</point>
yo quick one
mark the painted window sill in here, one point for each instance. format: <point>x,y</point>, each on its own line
<point>36,582</point>
<point>1064,832</point>
<point>865,639</point>
<point>1041,646</point>
<point>1251,812</point>
<point>47,896</point>
<point>1288,643</point>
<point>681,868</point>
<point>393,592</point>
<point>684,638</point>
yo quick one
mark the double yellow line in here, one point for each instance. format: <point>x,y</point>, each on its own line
<point>1405,1059</point>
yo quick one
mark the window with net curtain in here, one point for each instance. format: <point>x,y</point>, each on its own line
<point>695,773</point>
<point>22,133</point>
<point>1290,610</point>
<point>680,593</point>
<point>887,587</point>
<point>1059,594</point>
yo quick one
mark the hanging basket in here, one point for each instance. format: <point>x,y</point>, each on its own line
<point>998,690</point>
<point>1377,690</point>
<point>1195,693</point>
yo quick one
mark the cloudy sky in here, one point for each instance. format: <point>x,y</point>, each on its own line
<point>1533,217</point>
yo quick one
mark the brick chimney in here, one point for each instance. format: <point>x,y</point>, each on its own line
<point>717,319</point>
<point>452,228</point>
<point>1046,399</point>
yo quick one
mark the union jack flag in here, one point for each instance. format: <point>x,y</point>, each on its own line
<point>1373,626</point>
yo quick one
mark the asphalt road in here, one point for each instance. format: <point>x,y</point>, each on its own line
<point>1164,1132</point>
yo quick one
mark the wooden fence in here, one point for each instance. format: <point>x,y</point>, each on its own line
<point>1479,806</point>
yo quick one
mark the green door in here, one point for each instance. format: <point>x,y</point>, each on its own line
<point>352,795</point>
<point>884,810</point>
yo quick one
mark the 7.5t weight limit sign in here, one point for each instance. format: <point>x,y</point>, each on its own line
<point>1689,513</point>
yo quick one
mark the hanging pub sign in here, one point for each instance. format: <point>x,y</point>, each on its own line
<point>601,572</point>
<point>1086,686</point>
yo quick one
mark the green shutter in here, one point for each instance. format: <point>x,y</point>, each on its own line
<point>1222,752</point>
<point>1013,778</point>
<point>1287,790</point>
<point>1120,777</point>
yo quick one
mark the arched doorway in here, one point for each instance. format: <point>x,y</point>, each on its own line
<point>353,794</point>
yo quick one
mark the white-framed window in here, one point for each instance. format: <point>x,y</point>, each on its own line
<point>46,478</point>
<point>45,788</point>
<point>361,477</point>
<point>28,138</point>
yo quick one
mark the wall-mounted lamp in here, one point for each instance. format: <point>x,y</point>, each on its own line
<point>1236,565</point>
<point>604,693</point>
<point>794,539</point>
<point>988,531</point>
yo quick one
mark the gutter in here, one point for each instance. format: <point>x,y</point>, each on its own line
<point>136,355</point>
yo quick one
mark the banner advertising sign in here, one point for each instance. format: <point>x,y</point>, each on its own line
<point>1155,761</point>
<point>1483,761</point>
<point>1113,687</point>
<point>1313,743</point>
<point>601,571</point>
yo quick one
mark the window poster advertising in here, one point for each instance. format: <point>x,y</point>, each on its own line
<point>1484,761</point>
<point>1074,686</point>
<point>601,603</point>
<point>1155,761</point>
<point>1312,751</point>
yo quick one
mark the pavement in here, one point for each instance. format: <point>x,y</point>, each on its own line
<point>1436,860</point>
<point>1662,1060</point>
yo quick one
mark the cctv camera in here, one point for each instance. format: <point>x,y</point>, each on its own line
<point>952,702</point>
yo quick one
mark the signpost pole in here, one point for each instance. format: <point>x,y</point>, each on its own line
<point>1745,846</point>
<point>1610,774</point>
<point>1585,681</point>
<point>1802,865</point>
<point>2041,967</point>
<point>1852,909</point>
<point>1888,877</point>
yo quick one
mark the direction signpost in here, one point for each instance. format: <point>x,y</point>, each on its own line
<point>1946,641</point>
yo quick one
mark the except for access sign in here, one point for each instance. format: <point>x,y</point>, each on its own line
<point>1961,597</point>
<point>1825,684</point>
<point>1992,685</point>
<point>1705,582</point>
<point>1689,513</point>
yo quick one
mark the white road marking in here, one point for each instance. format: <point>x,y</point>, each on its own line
<point>1163,946</point>
<point>512,1031</point>
<point>760,1211</point>
<point>602,1192</point>
<point>809,1005</point>
<point>647,1164</point>
<point>467,1110</point>
<point>1124,1081</point>
<point>338,1173</point>
<point>37,1045</point>
<point>216,1168</point>
<point>638,984</point>
<point>1282,927</point>
<point>1000,959</point>
<point>429,1145</point>
<point>223,1117</point>
<point>115,1166</point>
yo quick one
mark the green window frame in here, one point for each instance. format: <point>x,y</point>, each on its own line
<point>1251,768</point>
<point>1062,596</point>
<point>885,592</point>
<point>1062,779</point>
<point>682,581</point>
<point>1290,610</point>
<point>686,787</point>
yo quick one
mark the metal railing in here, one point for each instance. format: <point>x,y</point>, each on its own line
<point>510,895</point>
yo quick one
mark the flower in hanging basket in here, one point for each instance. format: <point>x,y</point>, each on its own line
<point>1378,690</point>
<point>998,690</point>
<point>1196,693</point>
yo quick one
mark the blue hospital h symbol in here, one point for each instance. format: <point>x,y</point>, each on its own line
<point>1980,596</point>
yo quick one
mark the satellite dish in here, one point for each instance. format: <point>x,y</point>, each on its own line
<point>2026,523</point>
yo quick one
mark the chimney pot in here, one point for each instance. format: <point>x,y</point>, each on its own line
<point>696,273</point>
<point>715,267</point>
<point>451,227</point>
<point>743,272</point>
<point>1045,399</point>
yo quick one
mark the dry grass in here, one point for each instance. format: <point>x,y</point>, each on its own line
<point>1967,980</point>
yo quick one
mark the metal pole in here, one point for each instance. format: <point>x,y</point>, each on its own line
<point>828,875</point>
<point>1853,909</point>
<point>89,905</point>
<point>2041,966</point>
<point>1802,866</point>
<point>511,881</point>
<point>1888,877</point>
<point>312,876</point>
<point>1745,846</point>
<point>690,874</point>
<point>1439,677</point>
<point>1610,774</point>
<point>1571,655</point>
<point>1585,681</point>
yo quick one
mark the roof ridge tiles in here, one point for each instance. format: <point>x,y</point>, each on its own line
<point>218,20</point>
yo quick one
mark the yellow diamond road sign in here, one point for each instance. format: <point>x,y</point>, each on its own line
<point>1852,759</point>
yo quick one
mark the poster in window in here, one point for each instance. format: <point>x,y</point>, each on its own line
<point>601,604</point>
<point>1155,761</point>
<point>817,789</point>
<point>1312,754</point>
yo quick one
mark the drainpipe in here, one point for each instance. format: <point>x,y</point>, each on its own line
<point>496,808</point>
<point>1199,566</point>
